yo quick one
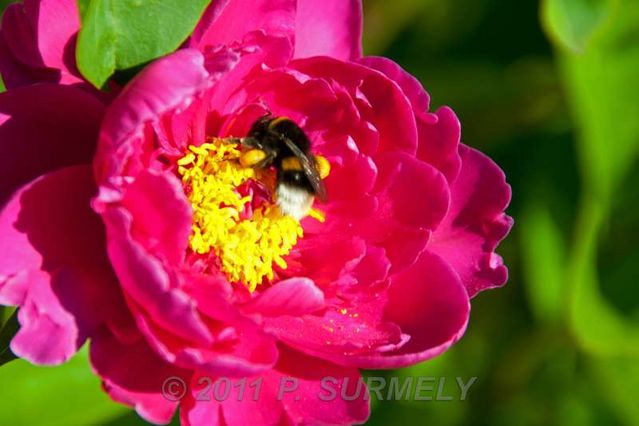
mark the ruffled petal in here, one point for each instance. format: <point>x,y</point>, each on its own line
<point>149,282</point>
<point>43,128</point>
<point>414,193</point>
<point>295,297</point>
<point>41,34</point>
<point>439,141</point>
<point>439,132</point>
<point>329,28</point>
<point>53,265</point>
<point>379,100</point>
<point>429,303</point>
<point>228,21</point>
<point>163,231</point>
<point>299,390</point>
<point>413,198</point>
<point>340,334</point>
<point>411,87</point>
<point>134,375</point>
<point>15,74</point>
<point>476,223</point>
<point>170,83</point>
<point>239,349</point>
<point>198,407</point>
<point>312,402</point>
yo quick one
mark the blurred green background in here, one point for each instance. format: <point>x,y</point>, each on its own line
<point>550,91</point>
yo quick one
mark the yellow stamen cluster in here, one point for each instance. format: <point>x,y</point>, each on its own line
<point>246,248</point>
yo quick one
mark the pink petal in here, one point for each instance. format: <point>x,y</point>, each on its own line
<point>413,199</point>
<point>371,271</point>
<point>340,334</point>
<point>379,100</point>
<point>329,28</point>
<point>228,21</point>
<point>237,66</point>
<point>53,264</point>
<point>240,410</point>
<point>411,87</point>
<point>414,193</point>
<point>43,128</point>
<point>134,375</point>
<point>16,74</point>
<point>170,83</point>
<point>241,349</point>
<point>309,256</point>
<point>194,411</point>
<point>439,142</point>
<point>239,346</point>
<point>272,404</point>
<point>48,334</point>
<point>439,132</point>
<point>42,34</point>
<point>149,281</point>
<point>476,223</point>
<point>295,297</point>
<point>162,231</point>
<point>429,303</point>
<point>350,406</point>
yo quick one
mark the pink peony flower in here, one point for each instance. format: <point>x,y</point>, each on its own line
<point>202,278</point>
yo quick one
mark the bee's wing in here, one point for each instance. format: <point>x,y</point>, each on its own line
<point>309,169</point>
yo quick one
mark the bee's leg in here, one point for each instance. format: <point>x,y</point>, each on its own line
<point>246,142</point>
<point>234,141</point>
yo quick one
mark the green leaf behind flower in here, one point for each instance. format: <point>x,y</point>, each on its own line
<point>573,23</point>
<point>68,394</point>
<point>602,85</point>
<point>543,251</point>
<point>5,3</point>
<point>122,34</point>
<point>8,330</point>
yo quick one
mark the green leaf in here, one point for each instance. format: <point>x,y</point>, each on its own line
<point>83,6</point>
<point>602,87</point>
<point>68,394</point>
<point>5,3</point>
<point>599,327</point>
<point>544,255</point>
<point>9,329</point>
<point>121,34</point>
<point>617,380</point>
<point>572,23</point>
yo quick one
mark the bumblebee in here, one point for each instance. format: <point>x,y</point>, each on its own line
<point>281,143</point>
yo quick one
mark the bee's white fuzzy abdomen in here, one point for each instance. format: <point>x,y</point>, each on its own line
<point>294,202</point>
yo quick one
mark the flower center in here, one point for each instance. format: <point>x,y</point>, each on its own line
<point>247,238</point>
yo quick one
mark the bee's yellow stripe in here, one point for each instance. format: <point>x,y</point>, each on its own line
<point>291,163</point>
<point>277,121</point>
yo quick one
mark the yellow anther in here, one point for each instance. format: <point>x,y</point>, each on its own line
<point>323,166</point>
<point>252,157</point>
<point>246,249</point>
<point>317,215</point>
